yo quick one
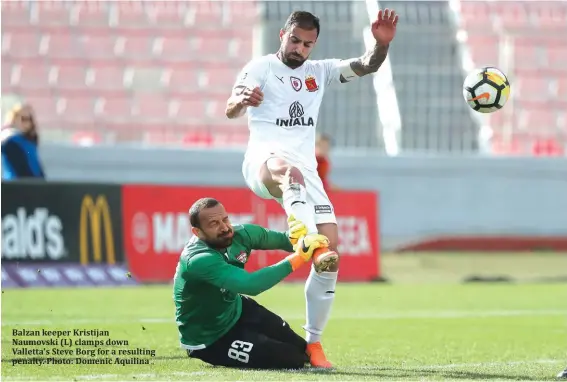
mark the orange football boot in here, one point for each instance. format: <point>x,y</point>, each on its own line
<point>317,357</point>
<point>324,258</point>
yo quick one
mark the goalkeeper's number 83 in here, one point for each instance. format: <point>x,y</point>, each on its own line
<point>240,355</point>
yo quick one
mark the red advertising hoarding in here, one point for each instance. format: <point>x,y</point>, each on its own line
<point>156,227</point>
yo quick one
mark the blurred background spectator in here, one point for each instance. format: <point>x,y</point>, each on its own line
<point>20,139</point>
<point>322,152</point>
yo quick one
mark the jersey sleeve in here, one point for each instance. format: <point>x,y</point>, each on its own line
<point>253,74</point>
<point>332,71</point>
<point>262,238</point>
<point>211,268</point>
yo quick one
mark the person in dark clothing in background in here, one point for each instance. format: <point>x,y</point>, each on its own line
<point>322,153</point>
<point>20,156</point>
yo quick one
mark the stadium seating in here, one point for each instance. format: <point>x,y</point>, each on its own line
<point>128,71</point>
<point>156,72</point>
<point>535,33</point>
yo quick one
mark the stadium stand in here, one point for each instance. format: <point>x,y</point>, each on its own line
<point>128,72</point>
<point>159,72</point>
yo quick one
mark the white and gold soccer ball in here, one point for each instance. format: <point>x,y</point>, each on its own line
<point>486,90</point>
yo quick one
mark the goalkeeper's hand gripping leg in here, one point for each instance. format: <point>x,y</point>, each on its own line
<point>305,249</point>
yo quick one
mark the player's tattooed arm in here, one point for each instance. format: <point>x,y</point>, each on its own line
<point>370,61</point>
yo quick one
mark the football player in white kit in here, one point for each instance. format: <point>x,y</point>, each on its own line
<point>282,93</point>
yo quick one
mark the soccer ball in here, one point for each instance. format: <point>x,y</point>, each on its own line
<point>486,90</point>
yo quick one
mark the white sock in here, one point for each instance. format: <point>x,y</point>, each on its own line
<point>295,203</point>
<point>318,302</point>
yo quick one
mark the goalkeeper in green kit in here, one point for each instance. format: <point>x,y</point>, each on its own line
<point>217,323</point>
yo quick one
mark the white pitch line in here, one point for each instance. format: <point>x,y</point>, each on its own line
<point>295,316</point>
<point>93,377</point>
<point>451,365</point>
<point>415,368</point>
<point>494,364</point>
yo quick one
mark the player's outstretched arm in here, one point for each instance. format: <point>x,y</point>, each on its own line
<point>383,30</point>
<point>370,62</point>
<point>212,268</point>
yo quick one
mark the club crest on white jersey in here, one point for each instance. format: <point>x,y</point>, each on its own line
<point>287,118</point>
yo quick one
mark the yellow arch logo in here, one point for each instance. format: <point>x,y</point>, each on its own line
<point>98,214</point>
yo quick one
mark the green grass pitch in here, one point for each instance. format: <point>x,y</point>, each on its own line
<point>377,331</point>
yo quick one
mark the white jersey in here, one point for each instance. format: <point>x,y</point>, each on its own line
<point>285,122</point>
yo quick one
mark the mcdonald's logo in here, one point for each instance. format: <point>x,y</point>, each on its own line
<point>97,213</point>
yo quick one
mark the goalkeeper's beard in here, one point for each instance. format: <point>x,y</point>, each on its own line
<point>222,241</point>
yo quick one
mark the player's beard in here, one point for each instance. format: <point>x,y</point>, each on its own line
<point>221,241</point>
<point>292,60</point>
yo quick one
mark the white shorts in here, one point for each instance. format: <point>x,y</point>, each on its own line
<point>316,196</point>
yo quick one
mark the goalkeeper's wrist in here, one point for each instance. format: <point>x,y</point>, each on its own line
<point>296,261</point>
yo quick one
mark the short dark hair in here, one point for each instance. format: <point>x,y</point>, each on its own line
<point>199,206</point>
<point>303,20</point>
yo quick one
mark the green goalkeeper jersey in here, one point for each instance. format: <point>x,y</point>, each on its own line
<point>208,283</point>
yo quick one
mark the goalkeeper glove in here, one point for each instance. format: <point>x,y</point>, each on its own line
<point>305,248</point>
<point>296,230</point>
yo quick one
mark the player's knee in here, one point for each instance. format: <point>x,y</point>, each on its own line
<point>284,173</point>
<point>292,176</point>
